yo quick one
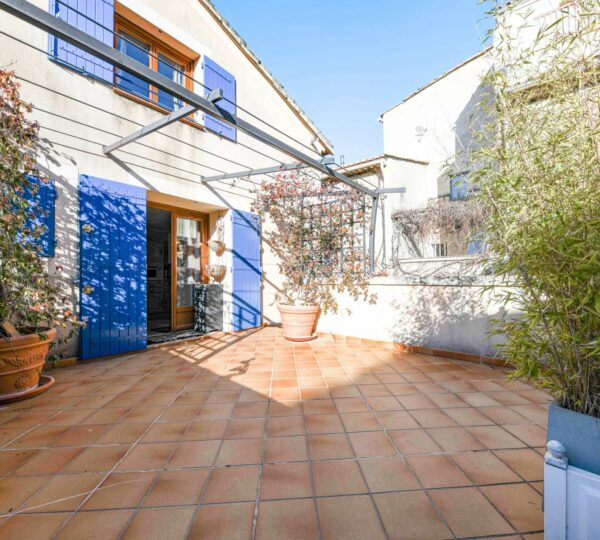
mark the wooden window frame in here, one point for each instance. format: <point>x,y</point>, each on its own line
<point>156,47</point>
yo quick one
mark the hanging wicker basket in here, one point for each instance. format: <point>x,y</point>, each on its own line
<point>217,246</point>
<point>216,271</point>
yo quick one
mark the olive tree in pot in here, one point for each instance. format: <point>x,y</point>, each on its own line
<point>31,311</point>
<point>538,172</point>
<point>312,228</point>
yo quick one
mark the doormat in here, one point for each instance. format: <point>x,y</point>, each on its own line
<point>172,336</point>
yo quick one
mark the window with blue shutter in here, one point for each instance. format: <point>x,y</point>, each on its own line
<point>459,187</point>
<point>217,77</point>
<point>94,17</point>
<point>41,195</point>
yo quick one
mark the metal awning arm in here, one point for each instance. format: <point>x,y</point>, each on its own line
<point>49,23</point>
<point>154,126</point>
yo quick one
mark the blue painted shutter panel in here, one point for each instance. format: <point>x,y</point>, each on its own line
<point>113,264</point>
<point>92,17</point>
<point>246,270</point>
<point>216,77</point>
<point>42,204</point>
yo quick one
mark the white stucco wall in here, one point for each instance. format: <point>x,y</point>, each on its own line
<point>78,115</point>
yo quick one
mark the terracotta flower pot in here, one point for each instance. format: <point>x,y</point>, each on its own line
<point>299,323</point>
<point>21,361</point>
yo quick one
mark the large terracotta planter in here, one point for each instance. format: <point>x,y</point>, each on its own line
<point>299,323</point>
<point>21,362</point>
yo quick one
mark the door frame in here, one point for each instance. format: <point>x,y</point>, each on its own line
<point>176,212</point>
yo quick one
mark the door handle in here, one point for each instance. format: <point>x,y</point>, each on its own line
<point>88,289</point>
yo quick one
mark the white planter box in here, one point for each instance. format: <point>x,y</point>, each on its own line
<point>571,498</point>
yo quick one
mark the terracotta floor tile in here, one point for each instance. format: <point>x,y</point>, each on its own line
<point>519,503</point>
<point>285,426</point>
<point>485,468</point>
<point>319,406</point>
<point>468,416</point>
<point>285,481</point>
<point>323,423</point>
<point>95,525</point>
<point>468,513</point>
<point>63,493</point>
<point>530,434</point>
<point>350,518</point>
<point>14,491</point>
<point>106,416</point>
<point>144,414</point>
<point>338,478</point>
<point>397,420</point>
<point>254,409</point>
<point>39,437</point>
<point>413,441</point>
<point>205,430</point>
<point>39,527</point>
<point>346,391</point>
<point>223,522</point>
<point>159,524</point>
<point>372,444</point>
<point>351,405</point>
<point>50,461</point>
<point>437,471</point>
<point>287,520</point>
<point>285,449</point>
<point>383,403</point>
<point>165,432</point>
<point>245,428</point>
<point>416,402</point>
<point>534,413</point>
<point>454,439</point>
<point>387,474</point>
<point>147,456</point>
<point>285,408</point>
<point>334,446</point>
<point>96,458</point>
<point>194,454</point>
<point>432,418</point>
<point>240,452</point>
<point>12,459</point>
<point>410,515</point>
<point>123,434</point>
<point>120,490</point>
<point>361,422</point>
<point>525,462</point>
<point>234,484</point>
<point>494,437</point>
<point>478,399</point>
<point>175,488</point>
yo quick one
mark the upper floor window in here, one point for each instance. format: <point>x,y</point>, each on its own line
<point>459,187</point>
<point>159,57</point>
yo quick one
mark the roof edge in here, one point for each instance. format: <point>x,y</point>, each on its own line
<point>255,60</point>
<point>438,78</point>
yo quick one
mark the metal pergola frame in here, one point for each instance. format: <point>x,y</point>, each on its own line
<point>47,22</point>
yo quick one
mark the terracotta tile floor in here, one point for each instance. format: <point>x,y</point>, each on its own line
<point>249,436</point>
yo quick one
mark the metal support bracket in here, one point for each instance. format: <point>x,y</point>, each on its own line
<point>327,160</point>
<point>154,126</point>
<point>215,95</point>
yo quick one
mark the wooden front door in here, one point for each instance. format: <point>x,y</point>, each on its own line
<point>189,253</point>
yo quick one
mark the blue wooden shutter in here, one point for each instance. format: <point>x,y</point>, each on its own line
<point>216,77</point>
<point>41,204</point>
<point>246,270</point>
<point>92,17</point>
<point>112,267</point>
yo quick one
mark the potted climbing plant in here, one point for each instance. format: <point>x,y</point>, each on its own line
<point>31,310</point>
<point>315,230</point>
<point>539,185</point>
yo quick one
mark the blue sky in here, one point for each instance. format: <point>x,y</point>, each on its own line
<point>347,61</point>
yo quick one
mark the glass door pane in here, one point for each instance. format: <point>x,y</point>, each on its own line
<point>188,259</point>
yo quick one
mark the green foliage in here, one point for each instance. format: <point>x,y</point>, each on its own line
<point>538,172</point>
<point>28,298</point>
<point>312,232</point>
